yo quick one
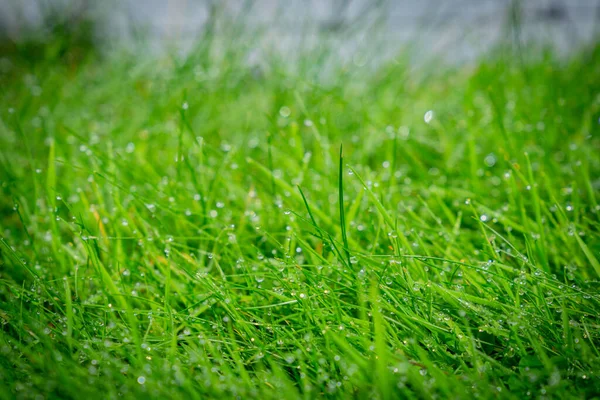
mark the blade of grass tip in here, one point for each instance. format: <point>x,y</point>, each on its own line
<point>342,215</point>
<point>312,218</point>
<point>391,222</point>
<point>323,216</point>
<point>321,232</point>
<point>588,253</point>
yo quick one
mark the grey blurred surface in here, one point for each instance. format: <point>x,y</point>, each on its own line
<point>453,29</point>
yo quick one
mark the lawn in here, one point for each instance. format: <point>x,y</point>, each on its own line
<point>198,226</point>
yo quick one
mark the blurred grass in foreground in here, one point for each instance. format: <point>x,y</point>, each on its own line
<point>171,226</point>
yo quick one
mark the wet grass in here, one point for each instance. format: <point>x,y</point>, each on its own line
<point>186,227</point>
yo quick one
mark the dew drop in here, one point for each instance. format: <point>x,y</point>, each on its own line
<point>285,111</point>
<point>428,116</point>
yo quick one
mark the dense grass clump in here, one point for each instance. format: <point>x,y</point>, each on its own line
<point>188,227</point>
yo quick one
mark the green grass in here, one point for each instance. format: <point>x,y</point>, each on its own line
<point>186,227</point>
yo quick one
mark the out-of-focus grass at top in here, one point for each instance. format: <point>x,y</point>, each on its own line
<point>172,227</point>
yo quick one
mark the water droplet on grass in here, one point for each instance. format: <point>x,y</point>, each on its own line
<point>428,116</point>
<point>490,160</point>
<point>285,111</point>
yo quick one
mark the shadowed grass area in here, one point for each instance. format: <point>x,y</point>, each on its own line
<point>186,227</point>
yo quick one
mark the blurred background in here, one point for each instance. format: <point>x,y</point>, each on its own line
<point>457,30</point>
